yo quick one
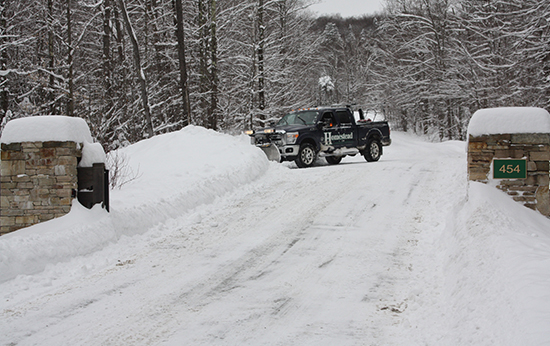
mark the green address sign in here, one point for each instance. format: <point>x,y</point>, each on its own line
<point>510,169</point>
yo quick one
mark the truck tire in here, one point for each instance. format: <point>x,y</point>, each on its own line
<point>333,160</point>
<point>306,156</point>
<point>373,151</point>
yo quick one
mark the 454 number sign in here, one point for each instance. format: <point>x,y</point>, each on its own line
<point>510,169</point>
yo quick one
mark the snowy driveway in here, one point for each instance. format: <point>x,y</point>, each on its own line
<point>332,255</point>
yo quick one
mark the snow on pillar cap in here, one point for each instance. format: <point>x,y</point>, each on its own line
<point>492,121</point>
<point>46,128</point>
<point>92,153</point>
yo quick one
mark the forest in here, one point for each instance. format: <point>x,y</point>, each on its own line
<point>137,68</point>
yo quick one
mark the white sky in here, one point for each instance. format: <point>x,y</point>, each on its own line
<point>347,8</point>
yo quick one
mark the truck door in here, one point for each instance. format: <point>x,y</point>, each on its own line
<point>346,131</point>
<point>329,128</point>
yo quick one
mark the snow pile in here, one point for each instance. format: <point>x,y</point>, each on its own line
<point>509,120</point>
<point>92,153</point>
<point>46,128</point>
<point>498,265</point>
<point>172,173</point>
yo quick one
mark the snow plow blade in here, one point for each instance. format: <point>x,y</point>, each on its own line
<point>272,152</point>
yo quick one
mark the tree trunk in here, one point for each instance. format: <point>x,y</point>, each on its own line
<point>70,77</point>
<point>119,37</point>
<point>203,29</point>
<point>213,111</point>
<point>139,70</point>
<point>182,64</point>
<point>450,115</point>
<point>107,55</point>
<point>4,95</point>
<point>261,37</point>
<point>51,58</point>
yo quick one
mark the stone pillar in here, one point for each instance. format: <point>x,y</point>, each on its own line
<point>38,182</point>
<point>534,148</point>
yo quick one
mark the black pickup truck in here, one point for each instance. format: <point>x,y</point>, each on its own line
<point>331,132</point>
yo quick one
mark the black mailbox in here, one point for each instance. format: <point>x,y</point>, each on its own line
<point>93,185</point>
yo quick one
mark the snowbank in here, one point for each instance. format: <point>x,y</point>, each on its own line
<point>170,174</point>
<point>509,120</point>
<point>46,128</point>
<point>497,271</point>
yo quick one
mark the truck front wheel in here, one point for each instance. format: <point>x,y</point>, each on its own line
<point>373,151</point>
<point>306,156</point>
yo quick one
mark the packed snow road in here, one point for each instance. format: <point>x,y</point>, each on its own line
<point>331,255</point>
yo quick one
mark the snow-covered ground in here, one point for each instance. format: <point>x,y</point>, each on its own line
<point>211,244</point>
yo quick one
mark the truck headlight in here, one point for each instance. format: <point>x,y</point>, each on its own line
<point>249,132</point>
<point>291,137</point>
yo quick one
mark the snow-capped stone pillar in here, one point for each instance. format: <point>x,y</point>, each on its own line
<point>39,163</point>
<point>510,148</point>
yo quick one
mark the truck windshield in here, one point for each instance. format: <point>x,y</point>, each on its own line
<point>299,118</point>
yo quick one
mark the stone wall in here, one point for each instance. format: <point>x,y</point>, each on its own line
<point>38,182</point>
<point>535,148</point>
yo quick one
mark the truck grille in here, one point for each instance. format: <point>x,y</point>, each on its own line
<point>266,139</point>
